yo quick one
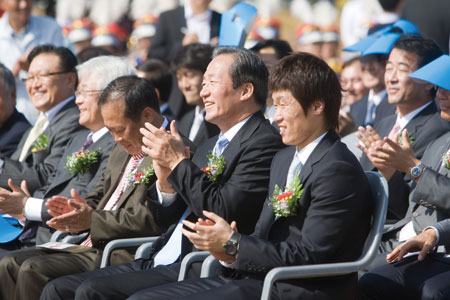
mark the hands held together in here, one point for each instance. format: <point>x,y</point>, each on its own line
<point>385,154</point>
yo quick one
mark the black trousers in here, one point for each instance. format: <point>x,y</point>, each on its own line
<point>114,282</point>
<point>408,279</point>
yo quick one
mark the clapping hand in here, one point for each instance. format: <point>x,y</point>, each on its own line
<point>70,215</point>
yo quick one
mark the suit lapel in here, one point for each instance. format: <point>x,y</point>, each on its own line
<point>420,119</point>
<point>147,162</point>
<point>319,152</point>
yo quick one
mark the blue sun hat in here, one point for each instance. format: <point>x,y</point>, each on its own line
<point>382,40</point>
<point>436,72</point>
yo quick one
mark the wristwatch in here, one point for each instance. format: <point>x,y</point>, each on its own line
<point>232,245</point>
<point>416,171</point>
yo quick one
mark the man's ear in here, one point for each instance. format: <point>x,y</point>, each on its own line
<point>318,107</point>
<point>247,90</point>
<point>147,114</point>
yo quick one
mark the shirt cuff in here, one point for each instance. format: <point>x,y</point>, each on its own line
<point>437,233</point>
<point>33,209</point>
<point>165,199</point>
<point>2,162</point>
<point>233,265</point>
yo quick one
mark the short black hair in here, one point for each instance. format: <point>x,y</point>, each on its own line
<point>91,52</point>
<point>67,59</point>
<point>389,5</point>
<point>137,94</point>
<point>159,75</point>
<point>309,78</point>
<point>281,47</point>
<point>193,56</point>
<point>426,50</point>
<point>247,67</point>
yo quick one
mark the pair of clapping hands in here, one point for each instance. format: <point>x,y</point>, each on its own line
<point>385,154</point>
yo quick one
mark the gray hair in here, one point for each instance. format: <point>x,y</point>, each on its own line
<point>9,82</point>
<point>106,68</point>
<point>247,67</point>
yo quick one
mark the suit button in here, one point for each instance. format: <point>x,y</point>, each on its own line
<point>415,214</point>
<point>434,206</point>
<point>421,202</point>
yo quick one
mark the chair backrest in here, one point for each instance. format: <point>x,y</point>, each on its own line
<point>380,198</point>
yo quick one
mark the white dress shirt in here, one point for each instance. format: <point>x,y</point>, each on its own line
<point>199,24</point>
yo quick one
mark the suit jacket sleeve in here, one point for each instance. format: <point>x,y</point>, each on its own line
<point>167,40</point>
<point>248,181</point>
<point>433,189</point>
<point>443,228</point>
<point>47,160</point>
<point>332,202</point>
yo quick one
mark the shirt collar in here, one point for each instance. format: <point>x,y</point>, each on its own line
<point>230,134</point>
<point>189,14</point>
<point>165,123</point>
<point>163,107</point>
<point>376,99</point>
<point>199,113</point>
<point>405,119</point>
<point>305,152</point>
<point>51,113</point>
<point>98,134</point>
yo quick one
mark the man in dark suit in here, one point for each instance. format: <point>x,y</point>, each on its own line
<point>429,204</point>
<point>417,112</point>
<point>310,213</point>
<point>51,84</point>
<point>220,178</point>
<point>372,108</point>
<point>117,207</point>
<point>94,75</point>
<point>12,123</point>
<point>194,22</point>
<point>190,64</point>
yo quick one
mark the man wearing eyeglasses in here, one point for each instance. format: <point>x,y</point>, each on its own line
<point>51,84</point>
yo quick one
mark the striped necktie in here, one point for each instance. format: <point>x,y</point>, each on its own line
<point>115,197</point>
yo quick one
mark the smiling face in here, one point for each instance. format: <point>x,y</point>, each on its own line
<point>48,90</point>
<point>372,73</point>
<point>352,83</point>
<point>18,10</point>
<point>87,95</point>
<point>296,127</point>
<point>124,130</point>
<point>220,99</point>
<point>190,84</point>
<point>443,96</point>
<point>402,90</point>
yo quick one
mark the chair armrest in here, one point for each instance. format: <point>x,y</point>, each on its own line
<point>188,260</point>
<point>307,271</point>
<point>144,250</point>
<point>209,266</point>
<point>75,239</point>
<point>58,235</point>
<point>123,243</point>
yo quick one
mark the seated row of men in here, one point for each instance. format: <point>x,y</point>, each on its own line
<point>301,212</point>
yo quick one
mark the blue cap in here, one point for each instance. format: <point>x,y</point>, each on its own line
<point>377,43</point>
<point>383,44</point>
<point>436,72</point>
<point>406,27</point>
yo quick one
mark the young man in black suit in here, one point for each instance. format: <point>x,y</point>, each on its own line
<point>417,112</point>
<point>234,91</point>
<point>325,204</point>
<point>189,65</point>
